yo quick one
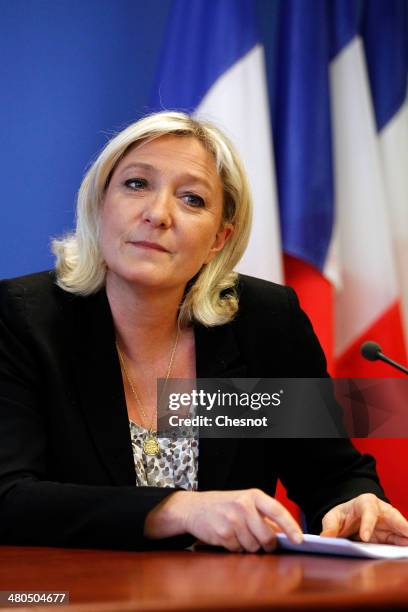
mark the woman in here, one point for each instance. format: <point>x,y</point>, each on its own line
<point>145,289</point>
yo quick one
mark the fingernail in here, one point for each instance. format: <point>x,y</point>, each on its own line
<point>366,535</point>
<point>297,537</point>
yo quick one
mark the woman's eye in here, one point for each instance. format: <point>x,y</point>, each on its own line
<point>136,183</point>
<point>194,200</point>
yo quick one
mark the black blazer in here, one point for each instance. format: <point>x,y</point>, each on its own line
<point>67,476</point>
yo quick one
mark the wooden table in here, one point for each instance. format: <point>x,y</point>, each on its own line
<point>109,581</point>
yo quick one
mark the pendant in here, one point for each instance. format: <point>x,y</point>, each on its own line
<point>151,445</point>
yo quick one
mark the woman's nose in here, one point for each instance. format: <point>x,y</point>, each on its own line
<point>158,209</point>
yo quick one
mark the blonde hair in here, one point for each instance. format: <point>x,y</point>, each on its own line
<point>210,298</point>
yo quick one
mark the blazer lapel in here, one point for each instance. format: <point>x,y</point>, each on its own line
<point>99,381</point>
<point>217,356</point>
<point>100,386</point>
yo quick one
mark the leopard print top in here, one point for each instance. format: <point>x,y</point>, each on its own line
<point>176,465</point>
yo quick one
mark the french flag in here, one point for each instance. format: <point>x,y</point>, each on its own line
<point>341,142</point>
<point>372,200</point>
<point>331,193</point>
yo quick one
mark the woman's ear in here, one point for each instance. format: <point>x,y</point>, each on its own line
<point>221,237</point>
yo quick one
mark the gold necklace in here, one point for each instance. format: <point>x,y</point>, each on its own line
<point>151,445</point>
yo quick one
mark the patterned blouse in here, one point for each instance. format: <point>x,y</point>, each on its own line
<point>176,465</point>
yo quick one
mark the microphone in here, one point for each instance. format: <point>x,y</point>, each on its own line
<point>372,351</point>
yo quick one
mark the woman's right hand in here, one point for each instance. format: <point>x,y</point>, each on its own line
<point>245,520</point>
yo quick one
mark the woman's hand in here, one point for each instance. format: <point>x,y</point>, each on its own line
<point>366,518</point>
<point>244,520</point>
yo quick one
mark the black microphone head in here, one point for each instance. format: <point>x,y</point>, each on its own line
<point>370,350</point>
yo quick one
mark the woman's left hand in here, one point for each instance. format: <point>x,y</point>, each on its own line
<point>368,519</point>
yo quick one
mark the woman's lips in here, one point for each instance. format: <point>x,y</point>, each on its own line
<point>144,244</point>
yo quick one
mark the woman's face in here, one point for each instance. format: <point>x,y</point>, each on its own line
<point>161,218</point>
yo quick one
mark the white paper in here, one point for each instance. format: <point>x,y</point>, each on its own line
<point>343,547</point>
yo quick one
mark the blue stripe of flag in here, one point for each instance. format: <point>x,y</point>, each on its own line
<point>204,38</point>
<point>385,34</point>
<point>343,23</point>
<point>302,130</point>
